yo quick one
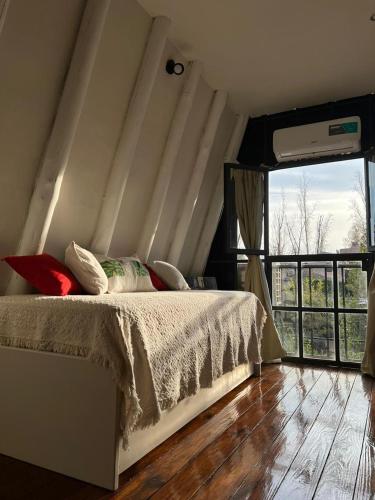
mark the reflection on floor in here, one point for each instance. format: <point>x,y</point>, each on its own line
<point>297,432</point>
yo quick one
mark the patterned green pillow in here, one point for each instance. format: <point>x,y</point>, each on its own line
<point>126,274</point>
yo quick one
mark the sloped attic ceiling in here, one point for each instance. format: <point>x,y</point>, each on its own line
<point>99,144</point>
<point>277,55</point>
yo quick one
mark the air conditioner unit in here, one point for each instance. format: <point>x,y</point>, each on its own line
<point>329,138</point>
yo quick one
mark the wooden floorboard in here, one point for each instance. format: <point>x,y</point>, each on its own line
<point>202,462</point>
<point>365,483</point>
<point>171,457</point>
<point>341,468</point>
<point>265,476</point>
<point>296,432</point>
<point>304,473</point>
<point>247,457</point>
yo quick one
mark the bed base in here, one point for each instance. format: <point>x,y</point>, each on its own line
<point>62,413</point>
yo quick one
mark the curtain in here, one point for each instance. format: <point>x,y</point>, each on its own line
<point>368,363</point>
<point>249,193</point>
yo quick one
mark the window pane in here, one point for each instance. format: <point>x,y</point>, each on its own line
<point>287,326</point>
<point>317,209</point>
<point>237,242</point>
<point>318,335</point>
<point>317,284</point>
<point>352,283</point>
<point>241,271</point>
<point>284,283</point>
<point>352,336</point>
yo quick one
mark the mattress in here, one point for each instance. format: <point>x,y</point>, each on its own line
<point>160,347</point>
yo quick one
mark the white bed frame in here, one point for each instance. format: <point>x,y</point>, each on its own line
<point>62,413</point>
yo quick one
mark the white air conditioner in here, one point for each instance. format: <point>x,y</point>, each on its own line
<point>329,138</point>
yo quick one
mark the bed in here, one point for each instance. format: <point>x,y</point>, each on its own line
<point>90,384</point>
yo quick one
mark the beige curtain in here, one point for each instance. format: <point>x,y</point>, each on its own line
<point>368,363</point>
<point>249,189</point>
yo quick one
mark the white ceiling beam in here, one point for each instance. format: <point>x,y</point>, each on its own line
<point>168,162</point>
<point>209,229</point>
<point>234,145</point>
<point>4,4</point>
<point>186,215</point>
<point>130,134</point>
<point>216,205</point>
<point>56,156</point>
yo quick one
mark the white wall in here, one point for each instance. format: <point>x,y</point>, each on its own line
<point>123,42</point>
<point>151,144</point>
<point>35,49</point>
<point>184,166</point>
<point>207,189</point>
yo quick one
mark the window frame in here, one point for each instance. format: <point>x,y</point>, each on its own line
<point>335,309</point>
<point>366,258</point>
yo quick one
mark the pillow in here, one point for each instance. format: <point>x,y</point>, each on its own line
<point>157,282</point>
<point>126,274</point>
<point>86,269</point>
<point>170,275</point>
<point>45,273</point>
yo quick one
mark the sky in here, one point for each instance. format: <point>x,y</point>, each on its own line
<point>332,189</point>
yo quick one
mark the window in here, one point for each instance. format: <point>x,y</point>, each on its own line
<point>315,255</point>
<point>318,209</point>
<point>318,258</point>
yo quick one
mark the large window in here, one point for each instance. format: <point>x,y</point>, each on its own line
<point>318,259</point>
<point>317,224</point>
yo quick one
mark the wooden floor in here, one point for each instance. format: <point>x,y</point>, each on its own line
<point>294,433</point>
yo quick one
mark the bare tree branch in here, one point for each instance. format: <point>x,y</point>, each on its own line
<point>307,230</point>
<point>321,232</point>
<point>278,228</point>
<point>295,233</point>
<point>357,234</point>
<point>306,209</point>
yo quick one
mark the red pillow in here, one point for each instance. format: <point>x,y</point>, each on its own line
<point>45,273</point>
<point>157,282</point>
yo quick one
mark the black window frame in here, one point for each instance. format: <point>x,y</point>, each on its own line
<point>367,263</point>
<point>367,259</point>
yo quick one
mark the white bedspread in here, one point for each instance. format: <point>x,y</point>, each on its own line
<point>160,347</point>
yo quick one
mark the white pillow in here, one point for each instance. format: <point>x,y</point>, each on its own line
<point>170,275</point>
<point>126,274</point>
<point>86,269</point>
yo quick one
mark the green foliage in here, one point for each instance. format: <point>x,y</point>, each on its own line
<point>318,327</point>
<point>287,324</point>
<point>140,269</point>
<point>319,294</point>
<point>112,268</point>
<point>318,335</point>
<point>352,345</point>
<point>353,289</point>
